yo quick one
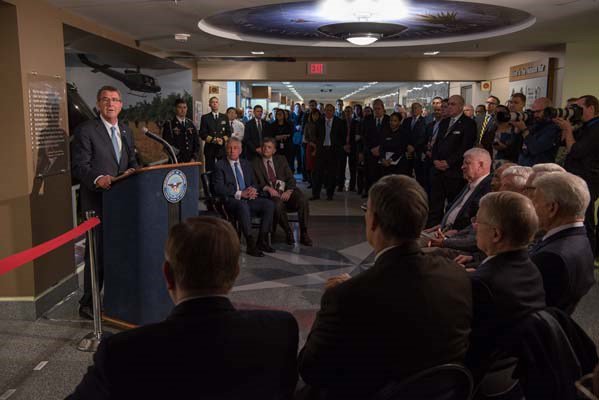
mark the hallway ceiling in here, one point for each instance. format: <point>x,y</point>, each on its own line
<point>156,21</point>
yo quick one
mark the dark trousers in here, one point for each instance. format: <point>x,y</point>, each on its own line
<point>444,190</point>
<point>243,210</point>
<point>86,299</point>
<point>373,169</point>
<point>325,171</point>
<point>297,202</point>
<point>212,153</point>
<point>347,158</point>
<point>422,170</point>
<point>297,155</point>
<point>589,224</point>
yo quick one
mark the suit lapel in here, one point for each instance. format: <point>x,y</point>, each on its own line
<point>104,136</point>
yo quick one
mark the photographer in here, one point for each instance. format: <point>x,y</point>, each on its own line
<point>583,153</point>
<point>507,142</point>
<point>541,139</point>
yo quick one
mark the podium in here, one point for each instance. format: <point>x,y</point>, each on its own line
<point>138,211</point>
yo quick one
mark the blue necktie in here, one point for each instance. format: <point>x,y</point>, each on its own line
<point>239,176</point>
<point>115,143</point>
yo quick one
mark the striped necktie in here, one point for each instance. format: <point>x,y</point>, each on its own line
<point>483,127</point>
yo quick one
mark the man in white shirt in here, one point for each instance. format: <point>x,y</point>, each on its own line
<point>102,149</point>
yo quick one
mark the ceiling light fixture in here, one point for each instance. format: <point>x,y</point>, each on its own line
<point>362,33</point>
<point>182,37</point>
<point>257,53</point>
<point>431,53</point>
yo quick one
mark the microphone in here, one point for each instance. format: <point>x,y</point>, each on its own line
<point>165,145</point>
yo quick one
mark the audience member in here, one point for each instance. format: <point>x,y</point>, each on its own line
<point>414,128</point>
<point>564,254</point>
<point>274,177</point>
<point>517,102</point>
<point>181,133</point>
<point>507,285</point>
<point>215,132</point>
<point>514,178</point>
<point>486,125</point>
<point>356,125</point>
<point>206,348</point>
<point>313,128</point>
<point>456,135</point>
<point>507,143</point>
<point>237,127</point>
<point>233,180</point>
<point>255,131</point>
<point>469,110</point>
<point>480,111</point>
<point>297,152</point>
<point>348,155</point>
<point>496,179</point>
<point>406,313</point>
<point>329,147</point>
<point>432,129</point>
<point>541,139</point>
<point>397,151</point>
<point>282,130</point>
<point>374,130</point>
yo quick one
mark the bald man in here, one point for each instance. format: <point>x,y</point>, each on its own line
<point>541,138</point>
<point>456,135</point>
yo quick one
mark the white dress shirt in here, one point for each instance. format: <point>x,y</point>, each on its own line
<point>237,129</point>
<point>453,213</point>
<point>232,164</point>
<point>557,230</point>
<point>108,125</point>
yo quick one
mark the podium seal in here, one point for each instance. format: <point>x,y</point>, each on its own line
<point>174,186</point>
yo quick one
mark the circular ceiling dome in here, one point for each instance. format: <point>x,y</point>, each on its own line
<point>420,23</point>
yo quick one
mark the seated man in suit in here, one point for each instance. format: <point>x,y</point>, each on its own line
<point>507,285</point>
<point>233,179</point>
<point>407,313</point>
<point>564,254</point>
<point>274,177</point>
<point>206,348</point>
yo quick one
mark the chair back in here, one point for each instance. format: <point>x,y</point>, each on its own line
<point>442,382</point>
<point>214,204</point>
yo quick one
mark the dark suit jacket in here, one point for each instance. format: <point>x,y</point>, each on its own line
<point>211,128</point>
<point>566,263</point>
<point>488,136</point>
<point>470,208</point>
<point>281,168</point>
<point>451,144</point>
<point>92,155</point>
<point>417,136</point>
<point>372,135</point>
<point>408,312</point>
<point>504,290</point>
<point>205,349</point>
<point>338,133</point>
<point>224,181</point>
<point>251,137</point>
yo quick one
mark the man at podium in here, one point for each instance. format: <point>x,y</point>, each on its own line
<point>102,149</point>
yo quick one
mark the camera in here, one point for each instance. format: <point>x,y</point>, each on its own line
<point>572,113</point>
<point>503,116</point>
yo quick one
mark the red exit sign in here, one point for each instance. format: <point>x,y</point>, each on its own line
<point>316,69</point>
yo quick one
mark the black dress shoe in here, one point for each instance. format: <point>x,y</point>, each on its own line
<point>289,237</point>
<point>254,252</point>
<point>86,312</point>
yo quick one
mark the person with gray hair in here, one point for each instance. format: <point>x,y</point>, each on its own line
<point>507,285</point>
<point>514,178</point>
<point>564,255</point>
<point>537,171</point>
<point>407,313</point>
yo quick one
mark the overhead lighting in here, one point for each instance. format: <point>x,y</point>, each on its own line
<point>182,37</point>
<point>285,83</point>
<point>257,53</point>
<point>362,39</point>
<point>431,53</point>
<point>361,33</point>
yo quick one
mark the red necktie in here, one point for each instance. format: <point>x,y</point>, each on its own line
<point>271,173</point>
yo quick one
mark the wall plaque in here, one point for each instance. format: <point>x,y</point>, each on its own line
<point>48,124</point>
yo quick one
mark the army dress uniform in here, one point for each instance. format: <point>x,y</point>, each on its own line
<point>214,126</point>
<point>183,135</point>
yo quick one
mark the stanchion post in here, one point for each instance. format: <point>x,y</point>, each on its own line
<point>92,340</point>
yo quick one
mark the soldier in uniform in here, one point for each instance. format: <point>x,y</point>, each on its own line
<point>215,131</point>
<point>181,133</point>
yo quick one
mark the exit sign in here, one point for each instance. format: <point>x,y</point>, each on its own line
<point>316,69</point>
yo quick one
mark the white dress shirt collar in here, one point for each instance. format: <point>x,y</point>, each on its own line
<point>557,230</point>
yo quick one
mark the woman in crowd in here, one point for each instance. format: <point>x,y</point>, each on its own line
<point>397,152</point>
<point>311,128</point>
<point>508,143</point>
<point>282,130</point>
<point>237,127</point>
<point>297,153</point>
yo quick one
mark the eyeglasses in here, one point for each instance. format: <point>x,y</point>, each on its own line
<point>109,99</point>
<point>491,102</point>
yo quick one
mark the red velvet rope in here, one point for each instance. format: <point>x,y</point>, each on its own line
<point>16,260</point>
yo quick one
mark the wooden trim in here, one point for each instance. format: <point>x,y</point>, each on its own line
<point>118,323</point>
<point>156,167</point>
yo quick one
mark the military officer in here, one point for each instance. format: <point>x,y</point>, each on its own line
<point>215,131</point>
<point>181,133</point>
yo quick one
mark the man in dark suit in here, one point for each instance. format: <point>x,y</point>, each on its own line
<point>255,131</point>
<point>102,149</point>
<point>329,147</point>
<point>182,134</point>
<point>431,133</point>
<point>416,126</point>
<point>215,131</point>
<point>206,348</point>
<point>233,180</point>
<point>486,125</point>
<point>564,254</point>
<point>348,155</point>
<point>274,177</point>
<point>374,130</point>
<point>507,286</point>
<point>456,135</point>
<point>407,313</point>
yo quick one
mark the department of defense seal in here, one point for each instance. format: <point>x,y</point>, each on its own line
<point>174,186</point>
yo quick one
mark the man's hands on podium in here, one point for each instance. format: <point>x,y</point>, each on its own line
<point>249,193</point>
<point>104,182</point>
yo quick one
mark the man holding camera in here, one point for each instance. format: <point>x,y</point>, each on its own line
<point>582,158</point>
<point>541,139</point>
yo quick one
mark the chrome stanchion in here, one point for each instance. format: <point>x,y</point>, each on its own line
<point>92,340</point>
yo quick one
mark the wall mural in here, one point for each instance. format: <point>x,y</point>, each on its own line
<point>299,22</point>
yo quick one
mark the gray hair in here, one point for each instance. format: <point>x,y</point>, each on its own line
<point>480,154</point>
<point>513,214</point>
<point>519,175</point>
<point>569,191</point>
<point>399,205</point>
<point>547,167</point>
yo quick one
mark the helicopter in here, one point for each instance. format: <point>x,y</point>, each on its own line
<point>133,79</point>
